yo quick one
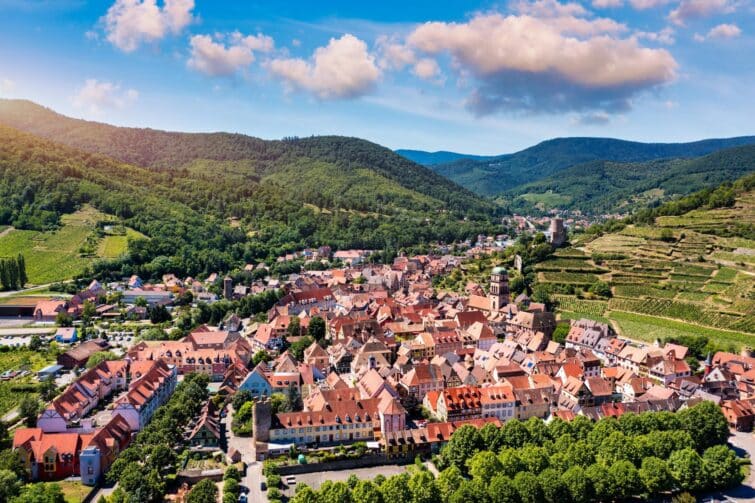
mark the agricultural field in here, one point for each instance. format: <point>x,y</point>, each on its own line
<point>679,277</point>
<point>65,252</point>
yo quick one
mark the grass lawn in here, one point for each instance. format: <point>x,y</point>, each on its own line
<point>74,492</point>
<point>114,246</point>
<point>649,328</point>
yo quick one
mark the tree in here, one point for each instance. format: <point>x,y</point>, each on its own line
<point>316,328</point>
<point>89,311</point>
<point>470,490</point>
<point>528,487</point>
<point>514,434</point>
<point>554,489</point>
<point>205,491</point>
<point>99,357</point>
<point>28,409</point>
<point>294,327</point>
<point>240,398</point>
<point>491,437</point>
<point>484,465</point>
<point>10,485</point>
<point>395,489</point>
<point>578,484</point>
<point>501,490</point>
<point>535,459</point>
<point>35,343</point>
<point>626,479</point>
<point>463,444</point>
<point>511,464</point>
<point>366,491</point>
<point>159,314</point>
<point>655,476</point>
<point>560,333</point>
<point>617,447</point>
<point>260,356</point>
<point>448,481</point>
<point>601,288</point>
<point>601,481</point>
<point>722,467</point>
<point>706,424</point>
<point>63,319</point>
<point>423,488</point>
<point>688,470</point>
<point>305,494</point>
<point>41,493</point>
<point>298,347</point>
<point>293,398</point>
<point>337,492</point>
<point>47,388</point>
<point>22,277</point>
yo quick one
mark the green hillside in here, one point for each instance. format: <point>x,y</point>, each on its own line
<point>605,187</point>
<point>187,212</point>
<point>440,157</point>
<point>250,157</point>
<point>506,172</point>
<point>691,274</point>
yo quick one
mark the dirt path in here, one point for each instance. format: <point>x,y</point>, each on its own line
<point>7,231</point>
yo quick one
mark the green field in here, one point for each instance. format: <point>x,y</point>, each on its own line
<point>11,392</point>
<point>60,254</point>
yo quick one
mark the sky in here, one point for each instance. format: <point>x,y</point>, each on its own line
<point>473,77</point>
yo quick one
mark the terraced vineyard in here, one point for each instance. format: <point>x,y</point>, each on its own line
<point>686,275</point>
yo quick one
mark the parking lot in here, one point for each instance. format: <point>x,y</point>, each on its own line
<point>315,479</point>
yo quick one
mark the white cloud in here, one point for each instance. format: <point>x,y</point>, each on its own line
<point>607,4</point>
<point>394,55</point>
<point>426,68</point>
<point>570,63</point>
<point>725,31</point>
<point>665,36</point>
<point>648,4</point>
<point>129,23</point>
<point>342,69</point>
<point>215,57</point>
<point>694,9</point>
<point>96,96</point>
<point>7,86</point>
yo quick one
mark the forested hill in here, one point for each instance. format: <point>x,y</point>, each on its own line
<point>606,187</point>
<point>491,177</point>
<point>440,157</point>
<point>360,160</point>
<point>215,215</point>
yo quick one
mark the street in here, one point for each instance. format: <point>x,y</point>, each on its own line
<point>245,446</point>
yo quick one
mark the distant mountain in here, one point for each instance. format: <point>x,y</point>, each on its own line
<point>494,176</point>
<point>606,186</point>
<point>439,157</point>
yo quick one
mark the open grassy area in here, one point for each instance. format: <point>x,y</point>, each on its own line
<point>73,492</point>
<point>61,254</point>
<point>13,391</point>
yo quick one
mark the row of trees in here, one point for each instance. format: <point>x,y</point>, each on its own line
<point>580,461</point>
<point>141,469</point>
<point>13,273</point>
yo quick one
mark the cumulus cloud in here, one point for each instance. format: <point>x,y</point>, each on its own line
<point>694,9</point>
<point>225,55</point>
<point>97,96</point>
<point>342,69</point>
<point>721,31</point>
<point>393,54</point>
<point>129,23</point>
<point>546,64</point>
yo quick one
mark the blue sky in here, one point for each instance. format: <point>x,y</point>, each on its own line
<point>484,78</point>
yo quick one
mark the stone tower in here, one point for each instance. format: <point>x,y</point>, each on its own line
<point>558,232</point>
<point>499,288</point>
<point>228,288</point>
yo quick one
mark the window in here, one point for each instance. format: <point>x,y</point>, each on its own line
<point>50,463</point>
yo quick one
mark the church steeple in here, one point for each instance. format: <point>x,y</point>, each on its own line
<point>499,288</point>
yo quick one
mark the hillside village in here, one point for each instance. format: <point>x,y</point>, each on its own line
<point>364,355</point>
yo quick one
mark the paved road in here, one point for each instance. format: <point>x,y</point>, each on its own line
<point>245,446</point>
<point>744,444</point>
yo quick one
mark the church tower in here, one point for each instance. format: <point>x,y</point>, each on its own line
<point>499,288</point>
